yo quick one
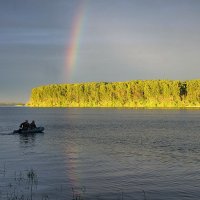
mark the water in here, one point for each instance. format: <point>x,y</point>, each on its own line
<point>101,154</point>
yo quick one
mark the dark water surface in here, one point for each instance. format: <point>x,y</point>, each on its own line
<point>101,154</point>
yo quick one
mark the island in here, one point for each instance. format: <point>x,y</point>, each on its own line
<point>130,94</point>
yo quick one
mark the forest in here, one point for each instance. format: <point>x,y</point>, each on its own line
<point>133,94</point>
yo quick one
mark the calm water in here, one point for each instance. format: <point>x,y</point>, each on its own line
<point>102,154</point>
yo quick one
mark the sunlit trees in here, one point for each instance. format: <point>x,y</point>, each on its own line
<point>137,93</point>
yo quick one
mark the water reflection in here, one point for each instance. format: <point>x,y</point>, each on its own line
<point>99,154</point>
<point>28,140</point>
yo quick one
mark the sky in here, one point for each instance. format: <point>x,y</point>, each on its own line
<point>70,41</point>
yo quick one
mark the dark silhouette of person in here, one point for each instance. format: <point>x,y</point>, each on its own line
<point>24,125</point>
<point>32,125</point>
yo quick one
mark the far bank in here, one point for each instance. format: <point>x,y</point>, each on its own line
<point>129,94</point>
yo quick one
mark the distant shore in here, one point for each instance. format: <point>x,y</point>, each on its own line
<point>165,94</point>
<point>4,104</point>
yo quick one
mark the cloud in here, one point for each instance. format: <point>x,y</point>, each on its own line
<point>119,40</point>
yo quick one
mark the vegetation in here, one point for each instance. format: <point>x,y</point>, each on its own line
<point>135,94</point>
<point>23,185</point>
<point>11,104</point>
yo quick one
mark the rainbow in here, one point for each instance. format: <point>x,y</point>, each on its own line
<point>72,151</point>
<point>74,43</point>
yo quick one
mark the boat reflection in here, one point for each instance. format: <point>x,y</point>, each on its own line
<point>28,140</point>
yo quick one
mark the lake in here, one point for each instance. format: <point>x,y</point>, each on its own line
<point>90,154</point>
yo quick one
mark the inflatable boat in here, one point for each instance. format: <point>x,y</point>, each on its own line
<point>34,130</point>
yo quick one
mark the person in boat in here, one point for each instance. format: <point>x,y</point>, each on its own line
<point>24,125</point>
<point>32,125</point>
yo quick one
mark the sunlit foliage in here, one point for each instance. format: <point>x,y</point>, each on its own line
<point>137,93</point>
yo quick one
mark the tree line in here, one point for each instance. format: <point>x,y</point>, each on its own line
<point>136,94</point>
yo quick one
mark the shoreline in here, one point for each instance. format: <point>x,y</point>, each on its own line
<point>125,107</point>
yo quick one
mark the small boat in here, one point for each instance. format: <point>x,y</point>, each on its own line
<point>34,130</point>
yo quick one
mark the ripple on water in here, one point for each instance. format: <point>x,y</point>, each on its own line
<point>105,153</point>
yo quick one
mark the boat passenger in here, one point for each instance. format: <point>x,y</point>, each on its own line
<point>32,125</point>
<point>24,125</point>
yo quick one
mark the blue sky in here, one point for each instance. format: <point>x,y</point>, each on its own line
<point>119,41</point>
